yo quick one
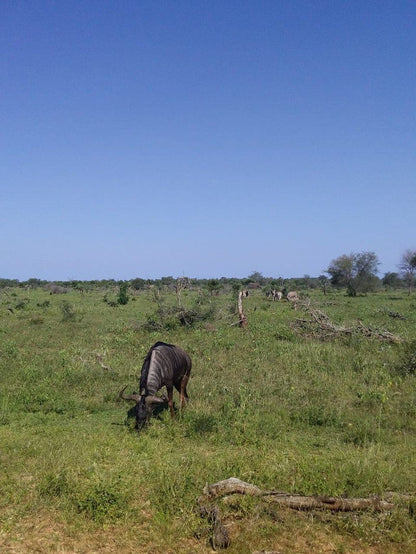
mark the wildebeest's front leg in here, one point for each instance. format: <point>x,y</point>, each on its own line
<point>170,400</point>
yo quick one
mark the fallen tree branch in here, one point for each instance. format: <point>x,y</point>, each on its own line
<point>220,537</point>
<point>295,501</point>
<point>320,326</point>
<point>380,335</point>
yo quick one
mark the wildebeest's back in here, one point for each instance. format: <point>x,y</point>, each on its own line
<point>167,366</point>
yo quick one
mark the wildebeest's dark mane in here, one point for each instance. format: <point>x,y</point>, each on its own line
<point>146,364</point>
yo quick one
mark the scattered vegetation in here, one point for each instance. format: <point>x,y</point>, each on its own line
<point>406,364</point>
<point>270,405</point>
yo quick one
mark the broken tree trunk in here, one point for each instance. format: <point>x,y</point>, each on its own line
<point>242,317</point>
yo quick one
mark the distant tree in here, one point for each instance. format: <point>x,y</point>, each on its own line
<point>307,282</point>
<point>138,284</point>
<point>356,272</point>
<point>341,270</point>
<point>276,283</point>
<point>236,285</point>
<point>256,277</point>
<point>34,283</point>
<point>366,269</point>
<point>392,280</point>
<point>407,267</point>
<point>122,294</point>
<point>8,283</point>
<point>214,286</point>
<point>324,283</point>
<point>168,281</point>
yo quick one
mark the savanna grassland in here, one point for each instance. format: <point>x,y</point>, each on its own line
<point>272,405</point>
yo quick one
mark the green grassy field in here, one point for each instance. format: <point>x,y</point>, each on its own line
<point>269,405</point>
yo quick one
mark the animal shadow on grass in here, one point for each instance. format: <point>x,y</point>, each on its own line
<point>157,411</point>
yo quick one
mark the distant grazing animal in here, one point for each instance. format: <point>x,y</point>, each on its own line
<point>277,295</point>
<point>165,365</point>
<point>274,294</point>
<point>292,297</point>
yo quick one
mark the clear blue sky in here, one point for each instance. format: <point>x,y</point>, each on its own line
<point>147,138</point>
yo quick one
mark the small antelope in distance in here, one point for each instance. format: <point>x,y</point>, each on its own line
<point>165,365</point>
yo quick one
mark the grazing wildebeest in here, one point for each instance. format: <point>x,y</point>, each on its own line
<point>164,365</point>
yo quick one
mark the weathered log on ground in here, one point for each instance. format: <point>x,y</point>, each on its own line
<point>220,537</point>
<point>295,501</point>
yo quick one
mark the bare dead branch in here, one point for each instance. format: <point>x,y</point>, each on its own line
<point>321,327</point>
<point>100,360</point>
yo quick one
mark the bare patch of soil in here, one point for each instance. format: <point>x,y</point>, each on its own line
<point>45,532</point>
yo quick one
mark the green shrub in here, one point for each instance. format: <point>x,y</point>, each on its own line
<point>54,485</point>
<point>101,503</point>
<point>407,360</point>
<point>123,297</point>
<point>68,312</point>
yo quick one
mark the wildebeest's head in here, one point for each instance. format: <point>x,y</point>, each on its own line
<point>143,407</point>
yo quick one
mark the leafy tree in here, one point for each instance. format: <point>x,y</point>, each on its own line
<point>168,281</point>
<point>8,283</point>
<point>356,272</point>
<point>214,286</point>
<point>324,283</point>
<point>35,283</point>
<point>256,277</point>
<point>138,283</point>
<point>408,267</point>
<point>392,280</point>
<point>341,270</point>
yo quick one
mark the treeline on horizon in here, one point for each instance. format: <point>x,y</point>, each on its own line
<point>357,272</point>
<point>254,281</point>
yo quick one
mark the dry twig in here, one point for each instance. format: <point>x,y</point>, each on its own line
<point>100,360</point>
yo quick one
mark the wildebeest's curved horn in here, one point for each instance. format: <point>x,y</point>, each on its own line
<point>154,400</point>
<point>135,397</point>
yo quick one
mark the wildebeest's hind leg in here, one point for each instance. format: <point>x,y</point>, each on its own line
<point>182,391</point>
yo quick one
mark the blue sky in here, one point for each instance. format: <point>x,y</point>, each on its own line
<point>205,138</point>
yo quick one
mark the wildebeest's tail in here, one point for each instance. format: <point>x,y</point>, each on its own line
<point>146,365</point>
